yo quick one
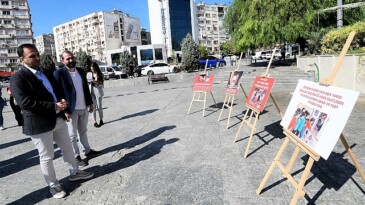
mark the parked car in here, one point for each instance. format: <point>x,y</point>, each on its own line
<point>158,68</point>
<point>212,62</point>
<point>108,72</point>
<point>259,55</point>
<point>120,72</point>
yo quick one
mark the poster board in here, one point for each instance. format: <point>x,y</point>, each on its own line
<point>260,92</point>
<point>203,82</point>
<point>234,82</point>
<point>317,115</point>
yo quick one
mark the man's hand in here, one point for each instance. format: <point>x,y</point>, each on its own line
<point>68,117</point>
<point>61,105</point>
<point>91,108</point>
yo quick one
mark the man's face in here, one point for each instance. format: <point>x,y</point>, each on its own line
<point>31,57</point>
<point>69,60</point>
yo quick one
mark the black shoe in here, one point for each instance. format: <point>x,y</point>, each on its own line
<point>80,162</point>
<point>101,123</point>
<point>93,153</point>
<point>96,125</point>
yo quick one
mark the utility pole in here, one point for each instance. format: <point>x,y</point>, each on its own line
<point>339,14</point>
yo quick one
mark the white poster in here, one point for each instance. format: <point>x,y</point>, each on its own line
<point>317,114</point>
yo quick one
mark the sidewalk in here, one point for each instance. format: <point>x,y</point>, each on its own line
<point>154,153</point>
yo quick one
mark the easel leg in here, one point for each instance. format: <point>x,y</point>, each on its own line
<point>224,103</point>
<point>243,90</point>
<point>276,105</point>
<point>213,99</point>
<point>290,164</point>
<point>192,100</point>
<point>240,127</point>
<point>230,109</point>
<point>299,190</point>
<point>204,101</point>
<point>352,156</point>
<point>271,168</point>
<point>253,128</point>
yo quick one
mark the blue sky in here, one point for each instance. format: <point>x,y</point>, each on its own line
<point>49,13</point>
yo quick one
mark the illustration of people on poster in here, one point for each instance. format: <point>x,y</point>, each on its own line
<point>203,82</point>
<point>260,92</point>
<point>317,114</point>
<point>234,82</point>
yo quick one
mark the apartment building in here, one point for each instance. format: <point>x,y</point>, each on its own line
<point>210,25</point>
<point>15,29</point>
<point>96,33</point>
<point>45,44</point>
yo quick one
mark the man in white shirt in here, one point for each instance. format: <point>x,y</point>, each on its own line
<point>77,94</point>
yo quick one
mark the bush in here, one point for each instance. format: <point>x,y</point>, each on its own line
<point>333,41</point>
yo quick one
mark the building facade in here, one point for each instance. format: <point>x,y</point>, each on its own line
<point>145,37</point>
<point>210,25</point>
<point>45,44</point>
<point>15,29</point>
<point>96,33</point>
<point>171,21</point>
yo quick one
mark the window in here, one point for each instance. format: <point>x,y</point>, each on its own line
<point>5,3</point>
<point>6,12</point>
<point>158,54</point>
<point>146,54</point>
<point>7,22</point>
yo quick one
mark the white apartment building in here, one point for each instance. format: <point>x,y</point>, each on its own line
<point>96,33</point>
<point>15,29</point>
<point>210,23</point>
<point>170,22</point>
<point>45,44</point>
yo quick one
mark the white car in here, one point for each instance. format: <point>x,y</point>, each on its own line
<point>158,68</point>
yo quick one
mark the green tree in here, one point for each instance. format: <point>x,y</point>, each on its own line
<point>47,62</point>
<point>125,59</point>
<point>227,48</point>
<point>253,24</point>
<point>189,50</point>
<point>82,60</point>
<point>203,51</point>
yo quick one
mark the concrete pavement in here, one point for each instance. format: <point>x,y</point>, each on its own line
<point>153,153</point>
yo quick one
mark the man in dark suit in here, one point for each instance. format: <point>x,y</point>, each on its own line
<point>77,94</point>
<point>41,99</point>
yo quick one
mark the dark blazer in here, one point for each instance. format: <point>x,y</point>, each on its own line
<point>37,104</point>
<point>64,78</point>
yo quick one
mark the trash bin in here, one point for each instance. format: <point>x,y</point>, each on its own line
<point>311,75</point>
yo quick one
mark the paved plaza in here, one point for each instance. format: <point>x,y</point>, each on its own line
<point>154,153</point>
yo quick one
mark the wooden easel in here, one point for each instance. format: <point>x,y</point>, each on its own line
<point>251,121</point>
<point>286,171</point>
<point>200,93</point>
<point>204,99</point>
<point>229,98</point>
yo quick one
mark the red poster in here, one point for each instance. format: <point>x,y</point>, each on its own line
<point>203,82</point>
<point>233,82</point>
<point>260,92</point>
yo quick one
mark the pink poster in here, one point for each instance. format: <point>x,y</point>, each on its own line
<point>203,82</point>
<point>260,92</point>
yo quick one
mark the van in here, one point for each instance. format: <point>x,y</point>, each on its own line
<point>108,72</point>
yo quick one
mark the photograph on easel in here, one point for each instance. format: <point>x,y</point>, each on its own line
<point>203,82</point>
<point>307,124</point>
<point>317,114</point>
<point>260,92</point>
<point>234,81</point>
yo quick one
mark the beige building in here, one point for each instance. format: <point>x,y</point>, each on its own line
<point>45,44</point>
<point>15,29</point>
<point>210,25</point>
<point>96,33</point>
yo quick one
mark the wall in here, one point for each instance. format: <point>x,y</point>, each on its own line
<point>351,74</point>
